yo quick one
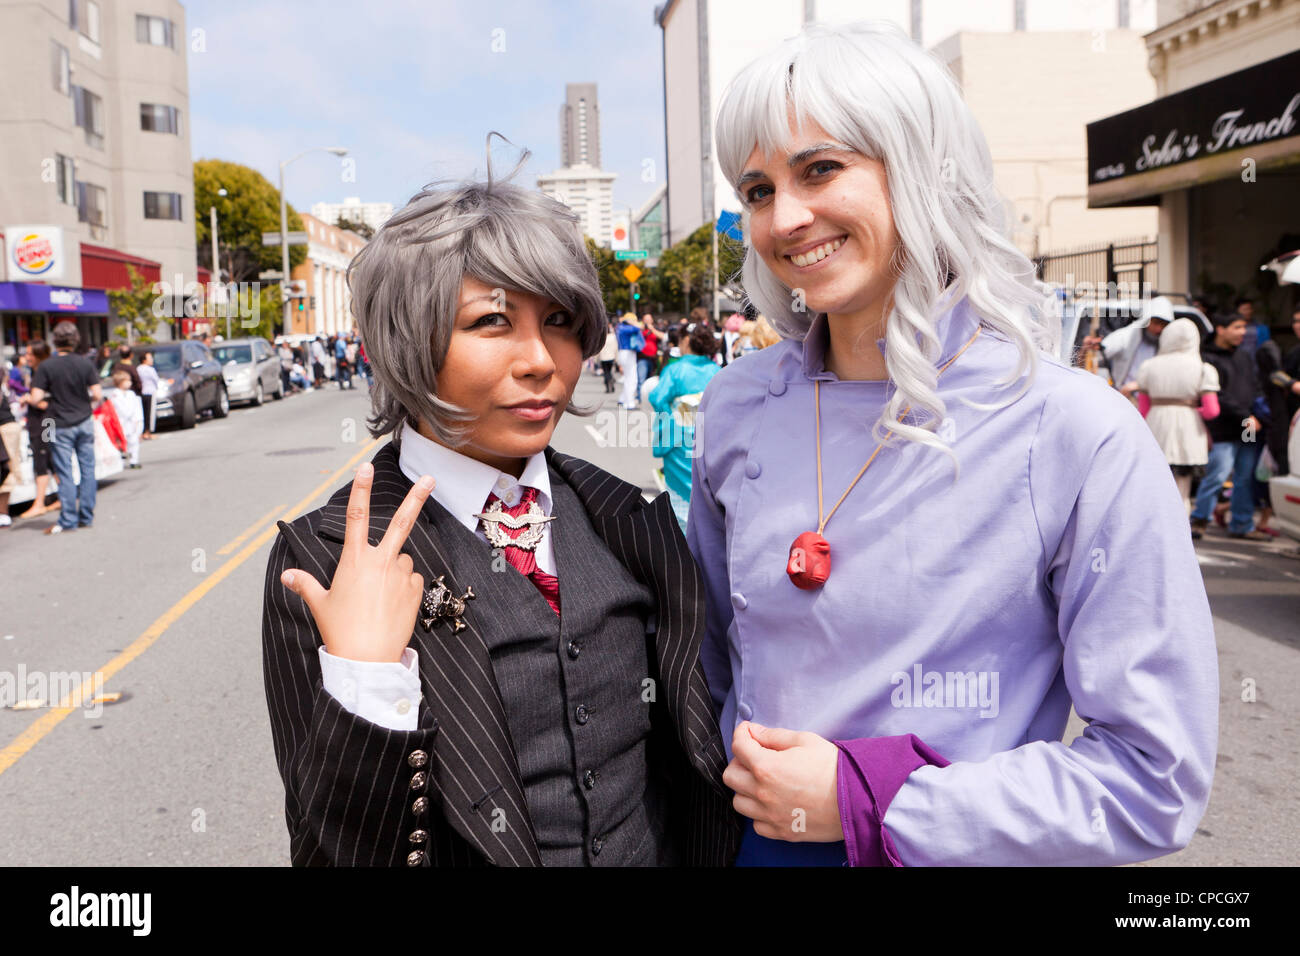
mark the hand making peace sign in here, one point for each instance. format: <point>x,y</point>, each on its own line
<point>368,613</point>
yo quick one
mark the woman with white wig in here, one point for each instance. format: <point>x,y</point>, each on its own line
<point>923,537</point>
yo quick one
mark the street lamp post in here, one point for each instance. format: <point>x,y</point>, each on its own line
<point>284,229</point>
<point>216,259</point>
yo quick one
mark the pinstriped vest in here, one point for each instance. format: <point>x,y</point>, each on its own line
<point>572,687</point>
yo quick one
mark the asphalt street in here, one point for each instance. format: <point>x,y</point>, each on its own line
<point>164,597</point>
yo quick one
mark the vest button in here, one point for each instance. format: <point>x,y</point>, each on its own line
<point>589,780</point>
<point>417,759</point>
<point>418,836</point>
<point>597,844</point>
<point>418,781</point>
<point>580,714</point>
<point>415,858</point>
<point>420,805</point>
<point>574,650</point>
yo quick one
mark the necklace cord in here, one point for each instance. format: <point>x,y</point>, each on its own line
<point>817,401</point>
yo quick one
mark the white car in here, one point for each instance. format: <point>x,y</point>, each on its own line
<point>1284,490</point>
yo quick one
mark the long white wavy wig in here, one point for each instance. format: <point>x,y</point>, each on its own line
<point>871,87</point>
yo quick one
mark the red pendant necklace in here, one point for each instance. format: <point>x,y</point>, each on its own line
<point>809,564</point>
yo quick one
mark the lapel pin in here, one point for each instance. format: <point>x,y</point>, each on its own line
<point>442,606</point>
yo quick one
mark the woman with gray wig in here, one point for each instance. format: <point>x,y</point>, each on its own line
<point>923,536</point>
<point>433,706</point>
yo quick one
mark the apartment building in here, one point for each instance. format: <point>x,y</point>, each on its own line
<point>95,166</point>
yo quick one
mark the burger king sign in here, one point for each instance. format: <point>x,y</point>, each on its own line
<point>34,253</point>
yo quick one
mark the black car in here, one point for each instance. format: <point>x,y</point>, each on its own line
<point>189,382</point>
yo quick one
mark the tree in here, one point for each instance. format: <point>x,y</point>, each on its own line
<point>134,307</point>
<point>614,288</point>
<point>250,207</point>
<point>362,229</point>
<point>685,267</point>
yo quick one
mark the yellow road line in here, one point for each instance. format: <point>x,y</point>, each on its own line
<point>40,727</point>
<point>257,524</point>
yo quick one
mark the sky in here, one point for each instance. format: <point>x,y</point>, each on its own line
<point>412,89</point>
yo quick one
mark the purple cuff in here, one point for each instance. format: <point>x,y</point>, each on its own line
<point>869,773</point>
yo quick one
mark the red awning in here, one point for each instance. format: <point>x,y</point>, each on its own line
<point>105,268</point>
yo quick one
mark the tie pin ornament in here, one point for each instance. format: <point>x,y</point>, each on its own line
<point>534,520</point>
<point>442,606</point>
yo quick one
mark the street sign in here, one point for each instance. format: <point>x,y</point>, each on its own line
<point>270,275</point>
<point>632,273</point>
<point>273,238</point>
<point>630,253</point>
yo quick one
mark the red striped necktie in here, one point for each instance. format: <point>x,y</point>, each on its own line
<point>526,561</point>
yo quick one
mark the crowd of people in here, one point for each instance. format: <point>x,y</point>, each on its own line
<point>1219,404</point>
<point>53,394</point>
<point>314,363</point>
<point>669,364</point>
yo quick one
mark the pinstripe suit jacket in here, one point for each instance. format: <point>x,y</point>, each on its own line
<point>353,790</point>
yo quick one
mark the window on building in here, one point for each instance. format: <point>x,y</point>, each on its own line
<point>83,16</point>
<point>89,115</point>
<point>162,205</point>
<point>92,204</point>
<point>156,118</point>
<point>67,179</point>
<point>1020,14</point>
<point>1123,14</point>
<point>156,31</point>
<point>59,67</point>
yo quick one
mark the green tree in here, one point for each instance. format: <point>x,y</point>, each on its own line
<point>614,288</point>
<point>362,229</point>
<point>250,207</point>
<point>133,308</point>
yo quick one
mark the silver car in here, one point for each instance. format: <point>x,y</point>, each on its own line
<point>251,369</point>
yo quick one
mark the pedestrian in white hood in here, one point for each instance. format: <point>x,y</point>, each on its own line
<point>1126,349</point>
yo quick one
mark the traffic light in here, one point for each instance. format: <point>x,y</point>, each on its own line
<point>301,305</point>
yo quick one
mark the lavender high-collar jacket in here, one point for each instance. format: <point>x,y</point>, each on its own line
<point>962,617</point>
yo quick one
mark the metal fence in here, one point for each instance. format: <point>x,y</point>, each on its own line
<point>1126,265</point>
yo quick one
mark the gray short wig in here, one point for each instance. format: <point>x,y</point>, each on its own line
<point>406,284</point>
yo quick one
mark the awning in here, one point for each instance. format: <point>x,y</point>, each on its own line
<point>105,268</point>
<point>33,297</point>
<point>1198,135</point>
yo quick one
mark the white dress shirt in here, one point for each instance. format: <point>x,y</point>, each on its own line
<point>386,693</point>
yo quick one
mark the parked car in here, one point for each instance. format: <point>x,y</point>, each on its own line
<point>189,382</point>
<point>1117,313</point>
<point>1284,490</point>
<point>251,369</point>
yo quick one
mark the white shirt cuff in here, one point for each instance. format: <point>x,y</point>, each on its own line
<point>384,693</point>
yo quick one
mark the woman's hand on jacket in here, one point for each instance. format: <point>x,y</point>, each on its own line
<point>786,782</point>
